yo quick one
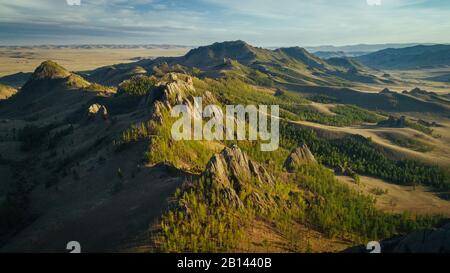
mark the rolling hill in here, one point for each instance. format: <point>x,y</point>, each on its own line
<point>6,91</point>
<point>415,57</point>
<point>239,59</point>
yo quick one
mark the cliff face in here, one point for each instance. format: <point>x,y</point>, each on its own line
<point>232,173</point>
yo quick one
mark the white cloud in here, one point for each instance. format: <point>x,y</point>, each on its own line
<point>374,2</point>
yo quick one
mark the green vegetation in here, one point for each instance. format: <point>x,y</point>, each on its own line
<point>323,99</point>
<point>138,86</point>
<point>50,69</point>
<point>204,221</point>
<point>362,156</point>
<point>419,127</point>
<point>378,191</point>
<point>344,213</point>
<point>409,143</point>
<point>292,106</point>
<point>346,115</point>
<point>189,155</point>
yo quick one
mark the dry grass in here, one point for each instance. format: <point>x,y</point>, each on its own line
<point>397,199</point>
<point>440,154</point>
<point>264,237</point>
<point>26,60</point>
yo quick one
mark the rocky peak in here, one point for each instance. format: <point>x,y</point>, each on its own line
<point>232,172</point>
<point>298,157</point>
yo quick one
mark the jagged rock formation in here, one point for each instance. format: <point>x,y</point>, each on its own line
<point>175,89</point>
<point>232,173</point>
<point>6,91</point>
<point>98,111</point>
<point>299,156</point>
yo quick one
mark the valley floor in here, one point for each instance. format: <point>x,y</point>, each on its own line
<point>397,199</point>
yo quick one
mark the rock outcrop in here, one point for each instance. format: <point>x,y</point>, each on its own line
<point>232,173</point>
<point>299,156</point>
<point>175,89</point>
<point>98,112</point>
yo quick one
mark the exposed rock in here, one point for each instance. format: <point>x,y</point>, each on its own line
<point>299,156</point>
<point>175,89</point>
<point>232,171</point>
<point>98,111</point>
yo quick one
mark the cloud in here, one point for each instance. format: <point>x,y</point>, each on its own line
<point>374,2</point>
<point>195,22</point>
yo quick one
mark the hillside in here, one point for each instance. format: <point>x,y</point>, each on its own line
<point>415,57</point>
<point>76,154</point>
<point>6,91</point>
<point>262,66</point>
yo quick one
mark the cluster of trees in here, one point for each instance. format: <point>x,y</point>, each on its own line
<point>293,106</point>
<point>364,157</point>
<point>201,219</point>
<point>346,115</point>
<point>200,223</point>
<point>138,85</point>
<point>341,212</point>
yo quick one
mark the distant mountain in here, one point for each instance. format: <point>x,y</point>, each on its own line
<point>408,58</point>
<point>359,48</point>
<point>337,54</point>
<point>239,59</point>
<point>440,78</point>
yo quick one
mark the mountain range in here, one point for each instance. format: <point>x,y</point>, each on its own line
<point>415,57</point>
<point>94,149</point>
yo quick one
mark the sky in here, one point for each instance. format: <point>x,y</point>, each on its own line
<point>200,22</point>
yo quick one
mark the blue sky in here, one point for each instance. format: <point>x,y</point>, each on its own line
<point>198,22</point>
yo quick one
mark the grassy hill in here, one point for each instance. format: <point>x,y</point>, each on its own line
<point>239,59</point>
<point>408,58</point>
<point>6,91</point>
